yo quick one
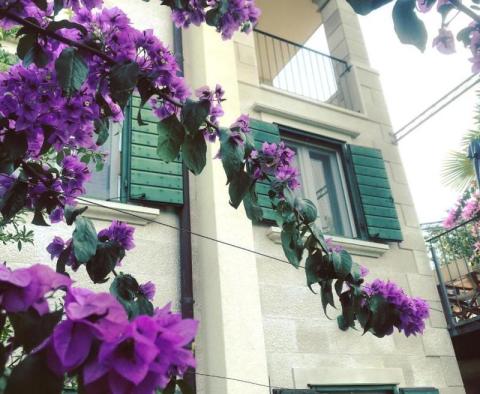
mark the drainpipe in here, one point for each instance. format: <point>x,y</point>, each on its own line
<point>186,275</point>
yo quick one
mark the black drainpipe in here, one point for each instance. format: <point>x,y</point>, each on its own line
<point>186,276</point>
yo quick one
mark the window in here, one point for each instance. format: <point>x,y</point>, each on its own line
<point>357,389</point>
<point>323,182</point>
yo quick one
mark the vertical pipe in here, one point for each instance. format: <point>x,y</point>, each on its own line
<point>186,270</point>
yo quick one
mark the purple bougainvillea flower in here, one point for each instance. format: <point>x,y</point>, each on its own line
<point>148,290</point>
<point>56,247</point>
<point>26,287</point>
<point>425,5</point>
<point>444,42</point>
<point>120,232</point>
<point>413,311</point>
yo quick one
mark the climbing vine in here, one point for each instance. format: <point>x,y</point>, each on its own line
<point>56,108</point>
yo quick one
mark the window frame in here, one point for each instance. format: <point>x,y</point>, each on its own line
<point>356,388</point>
<point>352,192</point>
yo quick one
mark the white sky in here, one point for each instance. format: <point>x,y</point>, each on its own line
<point>412,81</point>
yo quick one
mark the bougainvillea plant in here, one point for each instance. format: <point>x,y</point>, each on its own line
<point>411,30</point>
<point>56,107</point>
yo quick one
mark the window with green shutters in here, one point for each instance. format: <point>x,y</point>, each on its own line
<point>146,178</point>
<point>357,172</point>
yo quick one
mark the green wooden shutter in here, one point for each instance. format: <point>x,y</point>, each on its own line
<point>264,132</point>
<point>147,177</point>
<point>419,390</point>
<point>375,194</point>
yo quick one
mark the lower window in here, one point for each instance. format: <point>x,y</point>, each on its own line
<point>358,389</point>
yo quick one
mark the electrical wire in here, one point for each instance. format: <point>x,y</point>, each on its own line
<point>415,125</point>
<point>245,249</point>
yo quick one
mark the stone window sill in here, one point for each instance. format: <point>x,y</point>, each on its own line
<point>355,247</point>
<point>108,211</point>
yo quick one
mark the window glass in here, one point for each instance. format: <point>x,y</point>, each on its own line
<point>322,181</point>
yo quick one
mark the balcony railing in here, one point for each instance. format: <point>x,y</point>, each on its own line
<point>302,71</point>
<point>455,255</point>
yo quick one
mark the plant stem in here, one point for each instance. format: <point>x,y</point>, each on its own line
<point>463,8</point>
<point>79,45</point>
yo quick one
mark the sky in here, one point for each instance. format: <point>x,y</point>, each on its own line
<point>412,81</point>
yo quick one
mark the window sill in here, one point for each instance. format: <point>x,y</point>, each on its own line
<point>356,247</point>
<point>108,211</point>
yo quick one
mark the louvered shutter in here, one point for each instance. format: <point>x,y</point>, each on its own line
<point>148,178</point>
<point>375,194</point>
<point>419,390</point>
<point>264,132</point>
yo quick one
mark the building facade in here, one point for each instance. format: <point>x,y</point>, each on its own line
<point>259,321</point>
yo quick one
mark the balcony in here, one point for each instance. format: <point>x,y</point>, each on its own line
<point>455,255</point>
<point>302,71</point>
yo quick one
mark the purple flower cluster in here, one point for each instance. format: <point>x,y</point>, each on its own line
<point>118,231</point>
<point>114,355</point>
<point>444,42</point>
<point>65,186</point>
<point>465,208</point>
<point>238,15</point>
<point>332,247</point>
<point>413,311</point>
<point>28,287</point>
<point>33,104</point>
<point>275,160</point>
<point>215,99</point>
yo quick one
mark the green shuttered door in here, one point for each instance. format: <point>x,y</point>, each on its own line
<point>375,194</point>
<point>264,132</point>
<point>149,178</point>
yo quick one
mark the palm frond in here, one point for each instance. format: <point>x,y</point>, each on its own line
<point>458,171</point>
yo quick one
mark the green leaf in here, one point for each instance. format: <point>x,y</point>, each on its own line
<point>84,240</point>
<point>71,213</point>
<point>326,294</point>
<point>57,6</point>
<point>14,200</point>
<point>42,4</point>
<point>24,45</point>
<point>66,24</point>
<point>31,328</point>
<point>409,28</point>
<point>123,79</point>
<point>38,219</point>
<point>12,150</point>
<point>342,263</point>
<point>239,187</point>
<point>339,286</point>
<point>308,210</point>
<point>171,135</point>
<point>36,55</point>
<point>232,155</point>
<point>184,387</point>
<point>364,7</point>
<point>170,389</point>
<point>104,261</point>
<point>253,210</point>
<point>146,91</point>
<point>194,115</point>
<point>317,233</point>
<point>292,245</point>
<point>72,71</point>
<point>33,372</point>
<point>194,151</point>
<point>102,130</point>
<point>127,291</point>
<point>311,265</point>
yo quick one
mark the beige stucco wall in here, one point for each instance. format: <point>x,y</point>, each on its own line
<point>303,346</point>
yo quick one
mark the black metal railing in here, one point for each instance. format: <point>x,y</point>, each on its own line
<point>455,255</point>
<point>303,71</point>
